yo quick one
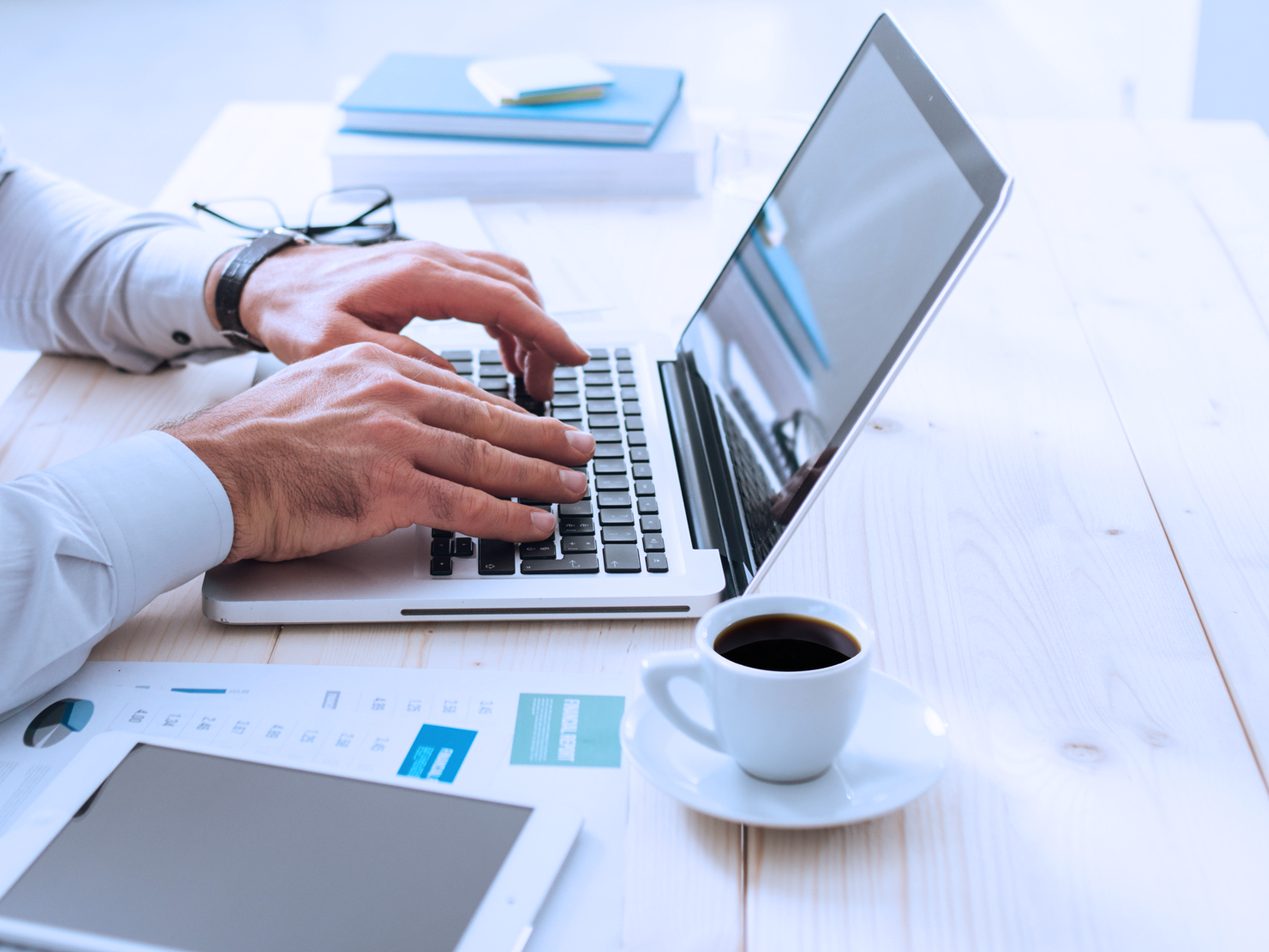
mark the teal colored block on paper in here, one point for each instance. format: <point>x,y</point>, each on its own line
<point>568,730</point>
<point>437,753</point>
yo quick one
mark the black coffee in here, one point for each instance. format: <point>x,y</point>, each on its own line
<point>786,643</point>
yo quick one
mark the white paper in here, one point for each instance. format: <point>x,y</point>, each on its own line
<point>364,720</point>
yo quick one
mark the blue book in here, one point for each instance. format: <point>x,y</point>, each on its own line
<point>431,95</point>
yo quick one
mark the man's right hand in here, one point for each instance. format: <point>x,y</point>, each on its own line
<point>359,441</point>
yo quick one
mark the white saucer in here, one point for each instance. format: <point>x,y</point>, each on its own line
<point>896,752</point>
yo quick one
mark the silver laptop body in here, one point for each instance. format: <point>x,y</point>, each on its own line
<point>711,451</point>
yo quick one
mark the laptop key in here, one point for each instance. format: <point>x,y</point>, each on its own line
<point>622,353</point>
<point>626,380</point>
<point>600,406</point>
<point>566,400</point>
<point>495,557</point>
<point>442,565</point>
<point>598,353</point>
<point>577,525</point>
<point>614,500</point>
<point>580,564</point>
<point>616,517</point>
<point>565,386</point>
<point>491,357</point>
<point>653,542</point>
<point>634,423</point>
<point>645,487</point>
<point>638,438</point>
<point>604,420</point>
<point>440,548</point>
<point>613,467</point>
<point>606,435</point>
<point>456,355</point>
<point>494,384</point>
<point>571,545</point>
<point>639,454</point>
<point>442,534</point>
<point>648,506</point>
<point>575,509</point>
<point>537,550</point>
<point>629,393</point>
<point>642,471</point>
<point>657,562</point>
<point>609,450</point>
<point>464,548</point>
<point>619,534</point>
<point>567,414</point>
<point>650,523</point>
<point>621,558</point>
<point>631,407</point>
<point>599,393</point>
<point>612,484</point>
<point>462,367</point>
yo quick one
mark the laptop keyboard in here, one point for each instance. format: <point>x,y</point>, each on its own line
<point>617,527</point>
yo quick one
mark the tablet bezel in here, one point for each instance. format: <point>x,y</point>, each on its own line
<point>503,919</point>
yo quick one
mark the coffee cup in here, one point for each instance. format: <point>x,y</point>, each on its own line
<point>784,677</point>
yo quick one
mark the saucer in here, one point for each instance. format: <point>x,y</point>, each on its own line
<point>896,752</point>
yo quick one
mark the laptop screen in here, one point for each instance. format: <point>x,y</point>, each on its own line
<point>847,256</point>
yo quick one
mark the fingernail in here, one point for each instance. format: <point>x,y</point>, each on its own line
<point>543,522</point>
<point>573,481</point>
<point>582,442</point>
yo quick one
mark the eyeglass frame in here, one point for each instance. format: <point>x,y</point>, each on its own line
<point>315,232</point>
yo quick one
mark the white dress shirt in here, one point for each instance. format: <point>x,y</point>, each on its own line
<point>87,543</point>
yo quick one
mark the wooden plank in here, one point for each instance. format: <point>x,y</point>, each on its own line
<point>1175,303</point>
<point>995,526</point>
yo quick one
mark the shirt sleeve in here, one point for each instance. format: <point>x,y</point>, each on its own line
<point>90,542</point>
<point>81,274</point>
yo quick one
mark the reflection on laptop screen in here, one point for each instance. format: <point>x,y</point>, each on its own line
<point>818,301</point>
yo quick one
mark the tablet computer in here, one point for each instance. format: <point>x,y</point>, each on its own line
<point>147,845</point>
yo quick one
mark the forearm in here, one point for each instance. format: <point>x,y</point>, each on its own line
<point>90,542</point>
<point>81,274</point>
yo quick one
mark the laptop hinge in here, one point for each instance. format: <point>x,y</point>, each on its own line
<point>713,516</point>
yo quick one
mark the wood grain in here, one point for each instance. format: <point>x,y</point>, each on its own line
<point>1175,303</point>
<point>995,524</point>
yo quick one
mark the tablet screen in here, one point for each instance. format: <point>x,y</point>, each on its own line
<point>203,852</point>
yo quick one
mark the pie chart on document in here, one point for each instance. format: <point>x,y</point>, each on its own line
<point>58,721</point>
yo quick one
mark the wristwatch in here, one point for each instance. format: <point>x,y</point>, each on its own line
<point>232,279</point>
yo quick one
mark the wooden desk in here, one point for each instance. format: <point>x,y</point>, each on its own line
<point>1058,521</point>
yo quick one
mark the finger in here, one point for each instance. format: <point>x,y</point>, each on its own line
<point>498,471</point>
<point>426,374</point>
<point>400,344</point>
<point>539,375</point>
<point>343,329</point>
<point>488,265</point>
<point>508,262</point>
<point>507,348</point>
<point>525,434</point>
<point>483,300</point>
<point>443,504</point>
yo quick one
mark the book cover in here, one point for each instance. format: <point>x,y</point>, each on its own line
<point>431,95</point>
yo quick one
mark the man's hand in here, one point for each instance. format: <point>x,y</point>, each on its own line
<point>312,298</point>
<point>360,441</point>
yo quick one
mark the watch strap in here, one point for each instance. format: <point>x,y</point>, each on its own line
<point>228,297</point>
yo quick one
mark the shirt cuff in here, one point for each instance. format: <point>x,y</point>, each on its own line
<point>163,516</point>
<point>165,291</point>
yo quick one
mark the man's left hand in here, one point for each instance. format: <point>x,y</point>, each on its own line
<point>313,298</point>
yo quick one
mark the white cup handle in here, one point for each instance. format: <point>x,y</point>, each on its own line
<point>658,671</point>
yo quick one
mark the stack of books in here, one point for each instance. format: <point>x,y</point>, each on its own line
<point>419,127</point>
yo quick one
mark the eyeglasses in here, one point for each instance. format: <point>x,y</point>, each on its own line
<point>344,216</point>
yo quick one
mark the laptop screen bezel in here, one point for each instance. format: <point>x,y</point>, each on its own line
<point>990,183</point>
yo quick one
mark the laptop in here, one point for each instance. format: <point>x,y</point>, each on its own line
<point>707,453</point>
